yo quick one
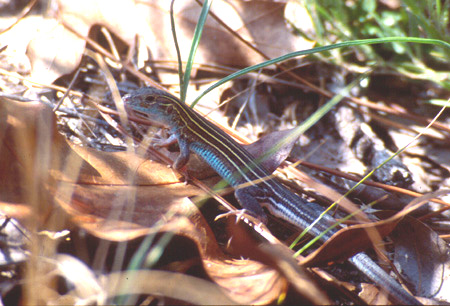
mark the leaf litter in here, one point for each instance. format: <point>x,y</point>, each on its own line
<point>121,196</point>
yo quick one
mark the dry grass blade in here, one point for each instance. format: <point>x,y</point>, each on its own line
<point>177,286</point>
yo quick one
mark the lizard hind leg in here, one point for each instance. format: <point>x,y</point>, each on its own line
<point>251,204</point>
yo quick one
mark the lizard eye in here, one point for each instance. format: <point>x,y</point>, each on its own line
<point>150,99</point>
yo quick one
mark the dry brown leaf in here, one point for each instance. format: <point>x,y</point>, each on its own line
<point>424,260</point>
<point>372,295</point>
<point>248,281</point>
<point>57,51</point>
<point>297,14</point>
<point>125,196</point>
<point>349,241</point>
<point>54,53</point>
<point>30,146</point>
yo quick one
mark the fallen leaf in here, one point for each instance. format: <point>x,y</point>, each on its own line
<point>350,241</point>
<point>372,295</point>
<point>264,147</point>
<point>57,50</point>
<point>424,260</point>
<point>30,147</point>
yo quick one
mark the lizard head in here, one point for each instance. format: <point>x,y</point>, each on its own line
<point>151,102</point>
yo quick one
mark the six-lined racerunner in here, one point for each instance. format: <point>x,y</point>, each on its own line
<point>238,167</point>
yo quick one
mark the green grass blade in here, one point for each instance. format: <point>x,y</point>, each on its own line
<point>322,49</point>
<point>194,46</point>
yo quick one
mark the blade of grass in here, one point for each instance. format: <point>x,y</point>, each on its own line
<point>417,9</point>
<point>195,41</point>
<point>321,49</point>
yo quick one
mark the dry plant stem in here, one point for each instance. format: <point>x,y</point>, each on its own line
<point>403,114</point>
<point>26,10</point>
<point>119,256</point>
<point>434,214</point>
<point>75,77</point>
<point>128,61</point>
<point>54,87</point>
<point>401,126</point>
<point>369,183</point>
<point>110,41</point>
